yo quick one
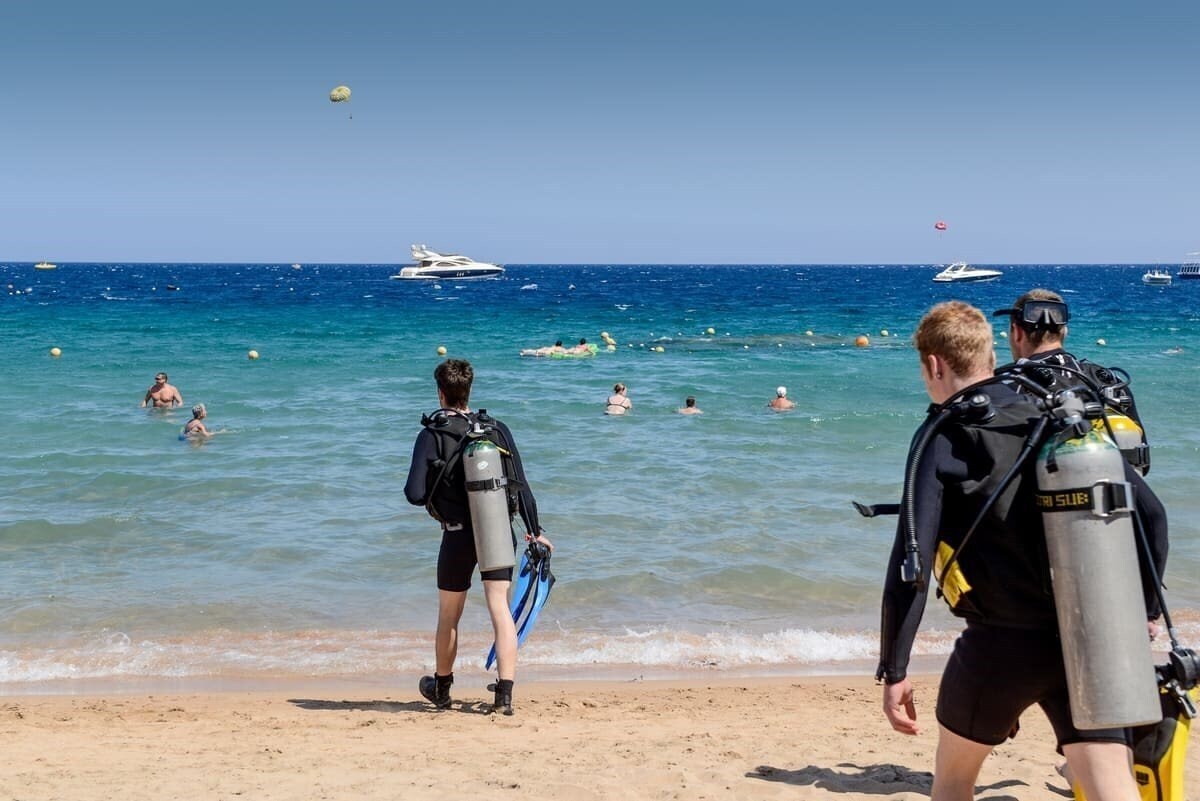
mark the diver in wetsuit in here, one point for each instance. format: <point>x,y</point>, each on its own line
<point>1037,332</point>
<point>457,558</point>
<point>1009,657</point>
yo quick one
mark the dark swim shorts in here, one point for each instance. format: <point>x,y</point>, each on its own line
<point>456,562</point>
<point>995,674</point>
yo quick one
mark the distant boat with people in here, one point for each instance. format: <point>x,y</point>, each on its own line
<point>45,265</point>
<point>1157,277</point>
<point>431,264</point>
<point>961,271</point>
<point>1190,269</point>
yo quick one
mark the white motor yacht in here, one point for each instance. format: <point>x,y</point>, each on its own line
<point>1157,277</point>
<point>961,271</point>
<point>431,264</point>
<point>45,265</point>
<point>1190,269</point>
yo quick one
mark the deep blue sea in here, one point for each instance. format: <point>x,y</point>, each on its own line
<point>284,547</point>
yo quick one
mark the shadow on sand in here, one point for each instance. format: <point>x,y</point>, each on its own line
<point>883,779</point>
<point>324,705</point>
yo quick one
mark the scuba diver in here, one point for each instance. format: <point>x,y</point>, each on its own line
<point>1036,335</point>
<point>974,514</point>
<point>467,473</point>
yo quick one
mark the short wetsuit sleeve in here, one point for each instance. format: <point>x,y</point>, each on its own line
<point>1152,519</point>
<point>424,454</point>
<point>904,603</point>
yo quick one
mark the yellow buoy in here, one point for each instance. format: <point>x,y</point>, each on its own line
<point>252,355</point>
<point>883,332</point>
<point>808,333</point>
<point>56,352</point>
<point>1101,341</point>
<point>861,341</point>
<point>441,351</point>
<point>1004,335</point>
<point>710,331</point>
<point>660,349</point>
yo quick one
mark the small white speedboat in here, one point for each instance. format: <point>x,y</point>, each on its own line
<point>961,271</point>
<point>45,265</point>
<point>1157,277</point>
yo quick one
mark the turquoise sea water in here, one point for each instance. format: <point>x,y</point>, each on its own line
<point>284,548</point>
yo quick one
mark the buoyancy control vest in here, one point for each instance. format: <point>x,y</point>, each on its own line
<point>1002,577</point>
<point>446,497</point>
<point>1058,370</point>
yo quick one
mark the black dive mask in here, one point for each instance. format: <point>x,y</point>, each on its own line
<point>1041,314</point>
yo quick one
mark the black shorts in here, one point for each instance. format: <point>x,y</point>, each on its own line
<point>995,674</point>
<point>456,562</point>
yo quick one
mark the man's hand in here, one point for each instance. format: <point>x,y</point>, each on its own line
<point>899,707</point>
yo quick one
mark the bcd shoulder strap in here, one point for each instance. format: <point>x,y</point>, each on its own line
<point>450,433</point>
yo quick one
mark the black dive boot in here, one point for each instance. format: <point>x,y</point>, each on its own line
<point>503,699</point>
<point>436,689</point>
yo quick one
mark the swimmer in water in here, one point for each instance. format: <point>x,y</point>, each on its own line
<point>162,395</point>
<point>618,403</point>
<point>195,428</point>
<point>780,402</point>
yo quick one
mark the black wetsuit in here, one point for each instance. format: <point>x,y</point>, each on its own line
<point>1010,656</point>
<point>456,557</point>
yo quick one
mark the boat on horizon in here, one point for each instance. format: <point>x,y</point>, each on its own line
<point>45,265</point>
<point>1190,269</point>
<point>432,265</point>
<point>961,271</point>
<point>1157,277</point>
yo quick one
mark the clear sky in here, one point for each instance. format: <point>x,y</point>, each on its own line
<point>610,132</point>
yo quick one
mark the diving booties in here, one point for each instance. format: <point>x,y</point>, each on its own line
<point>1087,508</point>
<point>488,500</point>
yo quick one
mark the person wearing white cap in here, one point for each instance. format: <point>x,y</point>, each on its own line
<point>780,402</point>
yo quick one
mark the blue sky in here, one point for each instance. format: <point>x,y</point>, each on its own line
<point>615,132</point>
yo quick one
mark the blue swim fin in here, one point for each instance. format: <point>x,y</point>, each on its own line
<point>545,582</point>
<point>530,592</point>
<point>522,591</point>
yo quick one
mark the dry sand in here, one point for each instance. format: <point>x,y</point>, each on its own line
<point>820,738</point>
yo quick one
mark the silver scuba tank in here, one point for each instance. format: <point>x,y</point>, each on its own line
<point>1086,507</point>
<point>488,501</point>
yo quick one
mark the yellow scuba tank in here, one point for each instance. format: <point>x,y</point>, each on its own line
<point>1130,439</point>
<point>1086,507</point>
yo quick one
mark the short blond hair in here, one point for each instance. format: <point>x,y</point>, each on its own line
<point>959,333</point>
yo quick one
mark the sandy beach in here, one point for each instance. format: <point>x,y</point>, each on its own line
<point>809,738</point>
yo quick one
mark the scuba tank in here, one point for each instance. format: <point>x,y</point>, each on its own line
<point>487,498</point>
<point>1086,510</point>
<point>1130,439</point>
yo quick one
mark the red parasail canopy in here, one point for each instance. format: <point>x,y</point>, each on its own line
<point>939,225</point>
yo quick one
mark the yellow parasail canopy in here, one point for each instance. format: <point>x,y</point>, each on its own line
<point>339,94</point>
